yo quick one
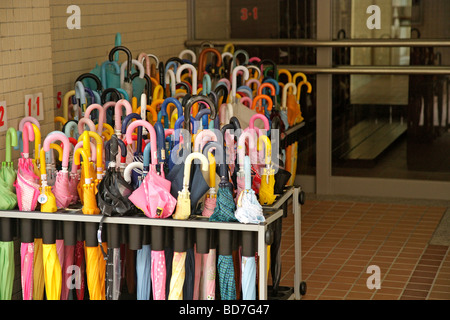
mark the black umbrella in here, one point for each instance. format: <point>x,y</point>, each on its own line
<point>112,200</point>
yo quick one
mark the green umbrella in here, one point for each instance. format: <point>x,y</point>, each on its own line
<point>8,201</point>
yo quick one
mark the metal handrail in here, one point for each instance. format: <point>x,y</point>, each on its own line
<point>325,43</point>
<point>390,70</point>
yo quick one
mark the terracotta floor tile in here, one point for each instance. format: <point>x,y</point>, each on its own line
<point>415,293</point>
<point>359,296</point>
<point>440,288</point>
<point>439,296</point>
<point>418,286</point>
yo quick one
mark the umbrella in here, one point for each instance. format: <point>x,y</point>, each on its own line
<point>248,267</point>
<point>153,196</point>
<point>240,179</point>
<point>6,240</point>
<point>27,189</point>
<point>61,189</point>
<point>284,101</point>
<point>126,84</point>
<point>183,209</point>
<point>112,200</point>
<point>224,212</point>
<point>178,265</point>
<point>92,249</point>
<point>52,250</point>
<point>266,191</point>
<point>211,196</point>
<point>8,199</point>
<point>51,261</point>
<point>249,210</point>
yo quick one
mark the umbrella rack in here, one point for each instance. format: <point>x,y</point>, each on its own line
<point>271,214</point>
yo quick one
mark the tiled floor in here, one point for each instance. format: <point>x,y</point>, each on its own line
<point>341,239</point>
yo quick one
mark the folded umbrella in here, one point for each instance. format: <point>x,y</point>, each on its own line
<point>183,209</point>
<point>266,191</point>
<point>8,198</point>
<point>6,240</point>
<point>27,189</point>
<point>224,212</point>
<point>93,252</point>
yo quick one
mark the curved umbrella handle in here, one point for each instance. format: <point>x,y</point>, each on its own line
<point>187,166</point>
<point>204,135</point>
<point>58,148</point>
<point>219,155</point>
<point>168,101</point>
<point>127,120</point>
<point>299,88</point>
<point>260,117</point>
<point>81,153</point>
<point>193,100</point>
<point>99,149</point>
<point>234,79</point>
<point>118,113</point>
<point>58,135</point>
<point>264,140</point>
<point>202,60</point>
<point>153,138</point>
<point>86,121</point>
<point>80,93</point>
<point>27,136</point>
<point>241,146</point>
<point>37,141</point>
<point>263,97</point>
<point>92,155</point>
<point>194,75</point>
<point>129,57</point>
<point>268,85</point>
<point>105,95</point>
<point>29,119</point>
<point>143,57</point>
<point>286,89</point>
<point>129,168</point>
<point>101,115</point>
<point>236,54</point>
<point>92,76</point>
<point>190,53</point>
<point>11,140</point>
<point>125,65</point>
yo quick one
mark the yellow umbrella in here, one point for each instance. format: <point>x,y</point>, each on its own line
<point>93,254</point>
<point>266,191</point>
<point>89,188</point>
<point>50,260</point>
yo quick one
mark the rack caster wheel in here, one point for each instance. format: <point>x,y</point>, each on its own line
<point>303,288</point>
<point>301,197</point>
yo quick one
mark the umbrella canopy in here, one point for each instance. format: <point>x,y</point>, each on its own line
<point>153,196</point>
<point>266,191</point>
<point>178,265</point>
<point>27,188</point>
<point>6,269</point>
<point>89,189</point>
<point>249,210</point>
<point>8,198</point>
<point>61,187</point>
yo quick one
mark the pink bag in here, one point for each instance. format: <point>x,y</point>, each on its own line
<point>153,197</point>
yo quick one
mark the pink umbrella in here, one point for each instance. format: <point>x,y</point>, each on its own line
<point>61,188</point>
<point>27,189</point>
